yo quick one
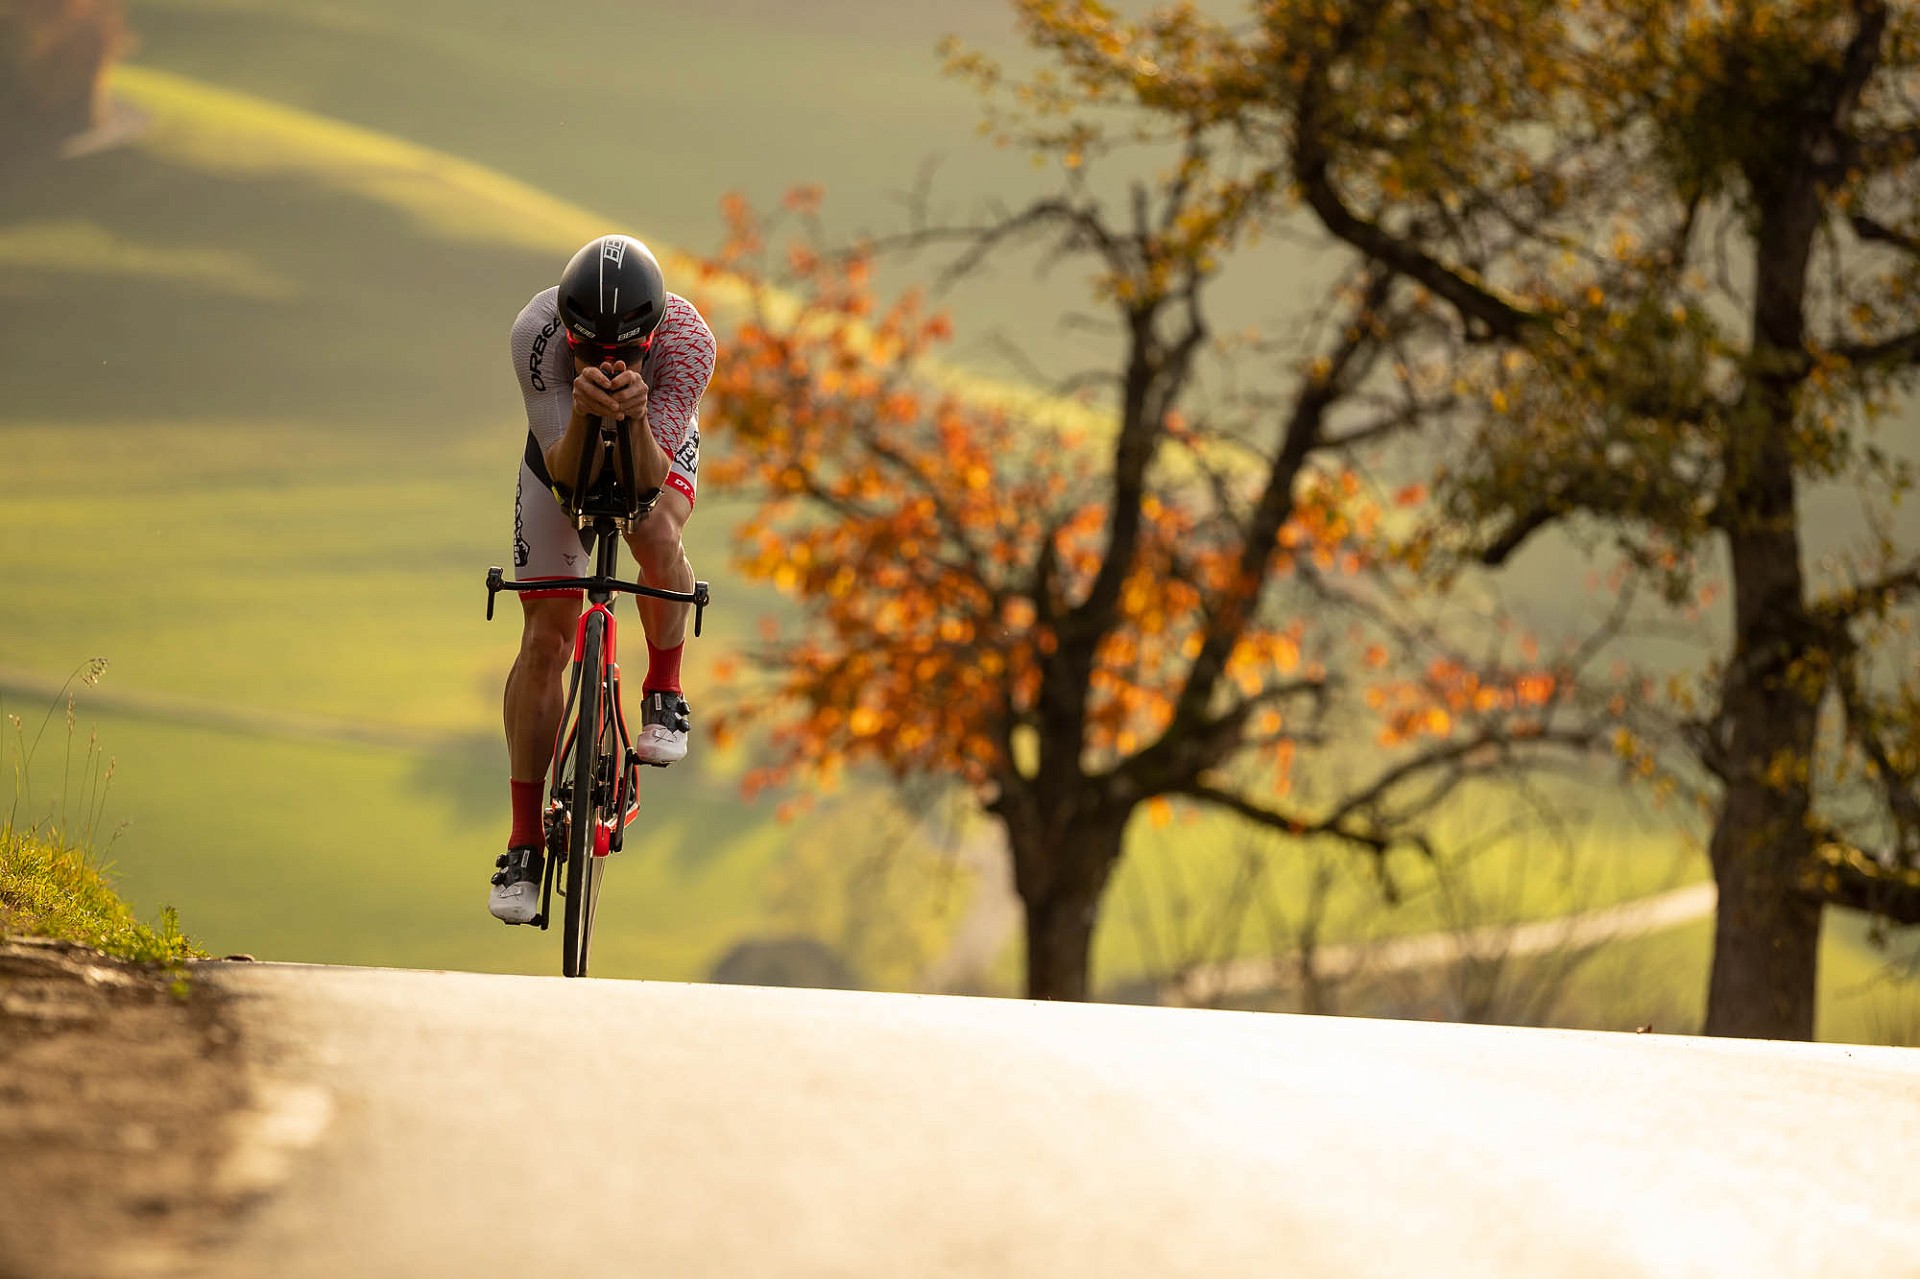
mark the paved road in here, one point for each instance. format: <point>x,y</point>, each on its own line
<point>456,1124</point>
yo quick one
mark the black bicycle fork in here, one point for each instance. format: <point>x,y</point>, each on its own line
<point>617,790</point>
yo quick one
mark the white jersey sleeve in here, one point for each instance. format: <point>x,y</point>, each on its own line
<point>677,368</point>
<point>545,369</point>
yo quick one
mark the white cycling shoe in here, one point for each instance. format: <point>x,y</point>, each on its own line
<point>515,898</point>
<point>664,725</point>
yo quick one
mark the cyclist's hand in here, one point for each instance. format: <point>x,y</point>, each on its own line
<point>629,392</point>
<point>592,393</point>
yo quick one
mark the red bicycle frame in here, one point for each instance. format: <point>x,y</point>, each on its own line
<point>595,775</point>
<point>607,836</point>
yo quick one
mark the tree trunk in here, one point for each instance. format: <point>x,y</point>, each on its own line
<point>1766,934</point>
<point>1059,945</point>
<point>1061,880</point>
<point>1766,930</point>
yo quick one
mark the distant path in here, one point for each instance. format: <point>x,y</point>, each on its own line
<point>426,1124</point>
<point>1209,983</point>
<point>41,691</point>
<point>992,919</point>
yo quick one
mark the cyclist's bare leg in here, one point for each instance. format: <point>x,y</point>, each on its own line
<point>536,686</point>
<point>662,736</point>
<point>535,700</point>
<point>657,549</point>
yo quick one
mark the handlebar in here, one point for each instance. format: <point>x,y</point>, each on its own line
<point>614,442</point>
<point>698,596</point>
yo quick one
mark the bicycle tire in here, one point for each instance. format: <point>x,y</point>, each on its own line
<point>577,932</point>
<point>602,815</point>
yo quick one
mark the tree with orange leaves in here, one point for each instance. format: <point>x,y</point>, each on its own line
<point>1078,615</point>
<point>1681,244</point>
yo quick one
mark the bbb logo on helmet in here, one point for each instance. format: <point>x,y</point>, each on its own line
<point>605,300</point>
<point>641,328</point>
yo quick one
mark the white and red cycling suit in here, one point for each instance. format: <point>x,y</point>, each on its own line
<point>676,368</point>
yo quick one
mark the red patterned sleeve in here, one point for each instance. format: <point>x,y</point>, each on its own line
<point>677,370</point>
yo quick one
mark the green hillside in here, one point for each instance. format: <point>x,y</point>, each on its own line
<point>259,445</point>
<point>645,112</point>
<point>270,479</point>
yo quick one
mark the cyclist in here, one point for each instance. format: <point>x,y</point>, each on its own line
<point>609,341</point>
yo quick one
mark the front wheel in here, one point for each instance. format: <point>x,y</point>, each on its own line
<point>582,881</point>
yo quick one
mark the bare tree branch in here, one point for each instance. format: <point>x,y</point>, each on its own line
<point>1517,534</point>
<point>1339,826</point>
<point>1228,618</point>
<point>1844,875</point>
<point>1897,782</point>
<point>1874,231</point>
<point>1895,587</point>
<point>1889,352</point>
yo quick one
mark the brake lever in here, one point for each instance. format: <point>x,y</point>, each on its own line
<point>494,586</point>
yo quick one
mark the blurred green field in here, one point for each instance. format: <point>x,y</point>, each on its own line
<point>1866,994</point>
<point>1869,988</point>
<point>266,484</point>
<point>282,579</point>
<point>1169,906</point>
<point>266,473</point>
<point>365,855</point>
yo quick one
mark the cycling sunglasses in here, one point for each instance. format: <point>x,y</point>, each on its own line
<point>597,353</point>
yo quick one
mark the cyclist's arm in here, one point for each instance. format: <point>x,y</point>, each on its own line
<point>563,456</point>
<point>650,460</point>
<point>682,368</point>
<point>546,376</point>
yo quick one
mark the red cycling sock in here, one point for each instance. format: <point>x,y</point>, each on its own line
<point>528,832</point>
<point>663,668</point>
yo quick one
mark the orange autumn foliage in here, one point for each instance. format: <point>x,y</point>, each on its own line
<point>913,523</point>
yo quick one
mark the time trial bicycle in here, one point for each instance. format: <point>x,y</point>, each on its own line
<point>594,789</point>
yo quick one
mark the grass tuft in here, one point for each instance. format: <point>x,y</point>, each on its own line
<point>52,881</point>
<point>52,890</point>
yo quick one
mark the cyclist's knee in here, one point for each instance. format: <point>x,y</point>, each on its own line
<point>546,640</point>
<point>655,541</point>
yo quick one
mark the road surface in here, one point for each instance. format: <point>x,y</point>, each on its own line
<point>456,1124</point>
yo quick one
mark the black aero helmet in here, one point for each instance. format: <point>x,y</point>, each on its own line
<point>611,297</point>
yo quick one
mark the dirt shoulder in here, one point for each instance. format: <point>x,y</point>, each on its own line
<point>117,1101</point>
